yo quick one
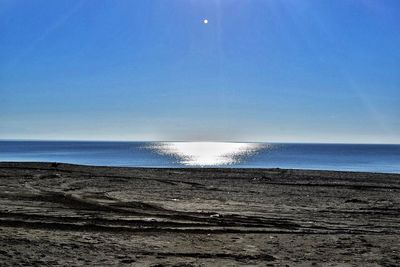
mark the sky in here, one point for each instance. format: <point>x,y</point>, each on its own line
<point>259,70</point>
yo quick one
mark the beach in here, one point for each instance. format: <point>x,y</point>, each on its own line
<point>55,214</point>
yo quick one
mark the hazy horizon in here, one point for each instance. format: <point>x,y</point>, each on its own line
<point>257,71</point>
<point>190,141</point>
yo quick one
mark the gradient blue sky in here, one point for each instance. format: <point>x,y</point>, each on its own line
<point>260,70</point>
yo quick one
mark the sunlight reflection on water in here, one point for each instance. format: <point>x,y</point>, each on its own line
<point>207,153</point>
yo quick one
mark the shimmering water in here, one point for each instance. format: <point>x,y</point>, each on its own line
<point>354,157</point>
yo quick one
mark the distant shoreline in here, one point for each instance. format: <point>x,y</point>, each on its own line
<point>56,165</point>
<point>194,168</point>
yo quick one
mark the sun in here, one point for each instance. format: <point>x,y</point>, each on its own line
<point>205,21</point>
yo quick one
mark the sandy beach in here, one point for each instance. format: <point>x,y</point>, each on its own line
<point>70,215</point>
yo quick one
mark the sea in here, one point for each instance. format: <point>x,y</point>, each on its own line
<point>340,157</point>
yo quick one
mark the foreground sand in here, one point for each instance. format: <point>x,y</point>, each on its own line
<point>58,214</point>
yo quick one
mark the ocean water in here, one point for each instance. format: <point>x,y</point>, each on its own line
<point>347,157</point>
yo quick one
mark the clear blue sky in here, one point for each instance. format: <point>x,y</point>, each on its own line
<point>260,70</point>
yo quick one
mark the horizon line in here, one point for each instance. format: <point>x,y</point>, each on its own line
<point>190,141</point>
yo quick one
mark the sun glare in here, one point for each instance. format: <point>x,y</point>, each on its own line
<point>207,153</point>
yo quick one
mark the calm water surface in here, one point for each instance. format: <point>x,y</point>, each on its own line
<point>375,158</point>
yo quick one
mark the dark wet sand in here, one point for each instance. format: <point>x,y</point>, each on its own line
<point>73,215</point>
